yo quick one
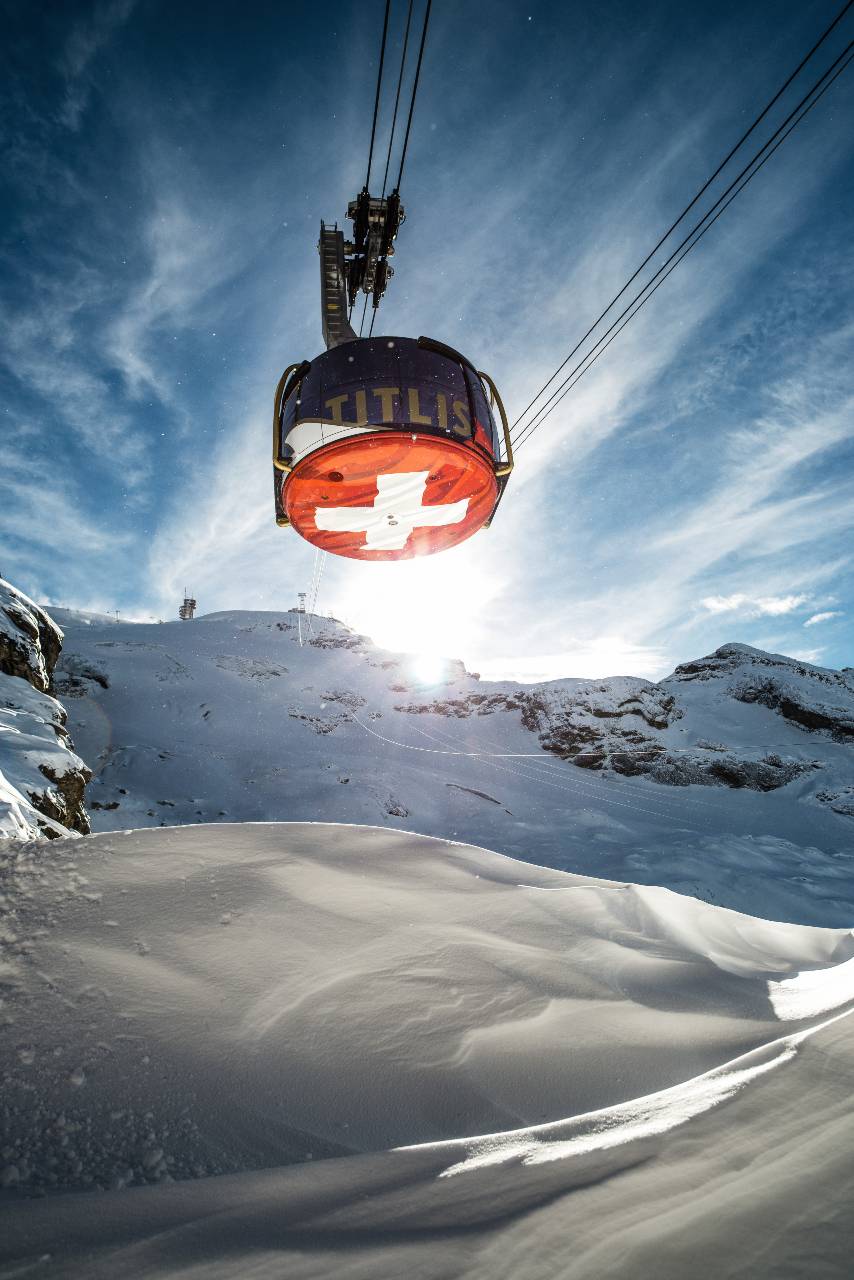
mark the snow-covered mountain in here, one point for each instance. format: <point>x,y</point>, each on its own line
<point>41,778</point>
<point>732,780</point>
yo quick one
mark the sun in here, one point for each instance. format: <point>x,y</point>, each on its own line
<point>432,608</point>
<point>428,668</point>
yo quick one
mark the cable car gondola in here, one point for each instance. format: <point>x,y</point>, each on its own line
<point>384,448</point>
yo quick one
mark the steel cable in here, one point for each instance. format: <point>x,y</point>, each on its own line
<point>397,94</point>
<point>813,95</point>
<point>415,90</point>
<point>685,211</point>
<point>377,98</point>
<point>311,588</point>
<point>321,566</point>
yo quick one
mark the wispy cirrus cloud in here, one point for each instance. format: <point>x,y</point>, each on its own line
<point>49,531</point>
<point>823,617</point>
<point>752,607</point>
<point>46,347</point>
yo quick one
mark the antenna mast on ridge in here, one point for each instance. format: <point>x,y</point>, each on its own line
<point>188,608</point>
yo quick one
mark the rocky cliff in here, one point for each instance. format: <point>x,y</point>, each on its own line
<point>42,780</point>
<point>628,726</point>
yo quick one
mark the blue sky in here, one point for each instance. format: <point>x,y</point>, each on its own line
<point>165,168</point>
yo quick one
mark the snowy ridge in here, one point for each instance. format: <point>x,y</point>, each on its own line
<point>696,783</point>
<point>405,1056</point>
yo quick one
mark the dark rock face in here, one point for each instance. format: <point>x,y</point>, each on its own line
<point>727,770</point>
<point>839,801</point>
<point>65,803</point>
<point>628,726</point>
<point>815,698</point>
<point>73,678</point>
<point>837,721</point>
<point>30,645</point>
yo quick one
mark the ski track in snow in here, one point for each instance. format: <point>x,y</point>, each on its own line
<point>580,788</point>
<point>553,767</point>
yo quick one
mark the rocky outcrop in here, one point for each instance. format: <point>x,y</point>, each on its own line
<point>836,720</point>
<point>635,728</point>
<point>815,698</point>
<point>30,641</point>
<point>728,769</point>
<point>74,678</point>
<point>841,801</point>
<point>42,781</point>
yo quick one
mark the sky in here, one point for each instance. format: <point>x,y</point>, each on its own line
<point>164,170</point>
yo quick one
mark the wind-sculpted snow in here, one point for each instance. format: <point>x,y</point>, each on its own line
<point>404,1056</point>
<point>41,779</point>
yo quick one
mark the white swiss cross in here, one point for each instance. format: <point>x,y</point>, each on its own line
<point>397,511</point>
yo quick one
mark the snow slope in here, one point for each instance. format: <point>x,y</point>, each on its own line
<point>409,1057</point>
<point>41,779</point>
<point>732,780</point>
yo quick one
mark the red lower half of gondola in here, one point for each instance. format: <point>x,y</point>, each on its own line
<point>390,495</point>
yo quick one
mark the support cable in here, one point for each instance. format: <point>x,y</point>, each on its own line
<point>397,94</point>
<point>688,207</point>
<point>396,191</point>
<point>321,566</point>
<point>377,98</point>
<point>592,361</point>
<point>415,90</point>
<point>309,595</point>
<point>738,184</point>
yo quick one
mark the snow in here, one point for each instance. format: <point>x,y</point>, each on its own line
<point>228,718</point>
<point>246,1046</point>
<point>309,1050</point>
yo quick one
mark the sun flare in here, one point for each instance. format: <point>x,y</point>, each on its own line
<point>431,608</point>
<point>427,668</point>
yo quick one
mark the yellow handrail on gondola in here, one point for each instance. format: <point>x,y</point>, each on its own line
<point>278,463</point>
<point>282,521</point>
<point>501,468</point>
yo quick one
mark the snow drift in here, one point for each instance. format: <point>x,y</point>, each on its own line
<point>407,1056</point>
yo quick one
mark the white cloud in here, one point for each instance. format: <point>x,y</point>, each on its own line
<point>44,347</point>
<point>50,517</point>
<point>823,617</point>
<point>188,258</point>
<point>754,607</point>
